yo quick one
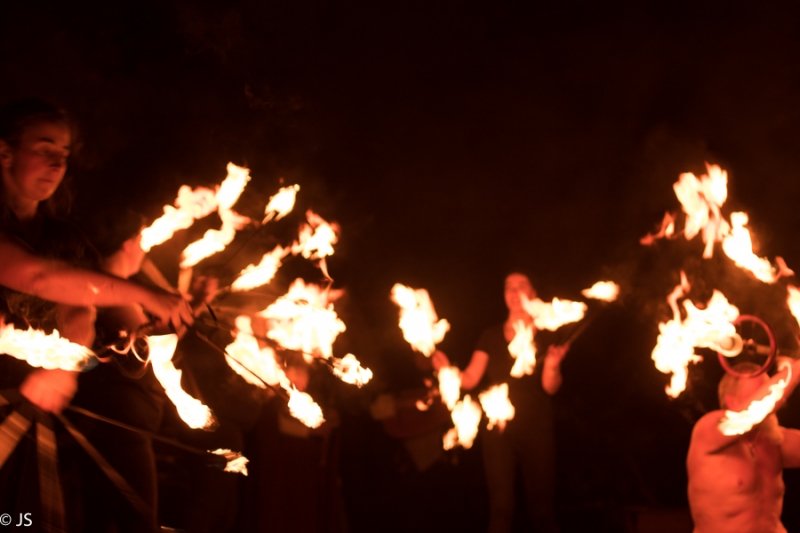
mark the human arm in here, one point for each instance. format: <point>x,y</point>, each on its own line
<point>470,376</point>
<point>790,448</point>
<point>551,373</point>
<point>62,283</point>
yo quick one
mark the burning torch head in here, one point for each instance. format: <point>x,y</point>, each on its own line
<point>515,284</point>
<point>736,391</point>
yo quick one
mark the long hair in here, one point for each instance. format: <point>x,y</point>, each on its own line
<point>15,118</point>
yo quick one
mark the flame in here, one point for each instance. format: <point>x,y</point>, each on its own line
<point>422,329</point>
<point>281,204</point>
<point>304,408</point>
<point>42,350</point>
<point>739,246</point>
<point>466,416</point>
<point>497,406</point>
<point>237,462</point>
<point>667,230</point>
<point>449,385</point>
<point>602,290</point>
<point>316,239</point>
<point>522,350</point>
<point>702,328</point>
<point>255,364</point>
<point>553,315</point>
<point>192,411</point>
<point>190,205</point>
<point>303,320</point>
<point>257,275</point>
<point>793,300</point>
<point>701,200</point>
<point>349,370</point>
<point>740,422</point>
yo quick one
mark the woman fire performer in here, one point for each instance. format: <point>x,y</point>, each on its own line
<point>44,272</point>
<point>527,442</point>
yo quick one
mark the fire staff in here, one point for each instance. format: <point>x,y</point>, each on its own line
<point>736,481</point>
<point>527,442</point>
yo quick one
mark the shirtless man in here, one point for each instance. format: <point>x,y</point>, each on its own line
<point>736,482</point>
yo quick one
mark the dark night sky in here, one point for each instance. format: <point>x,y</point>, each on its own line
<point>452,140</point>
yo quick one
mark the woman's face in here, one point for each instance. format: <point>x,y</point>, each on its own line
<point>33,170</point>
<point>515,285</point>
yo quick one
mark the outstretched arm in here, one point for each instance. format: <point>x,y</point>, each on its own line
<point>60,282</point>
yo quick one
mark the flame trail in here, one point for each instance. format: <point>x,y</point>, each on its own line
<point>190,205</point>
<point>739,423</point>
<point>349,370</point>
<point>552,316</point>
<point>450,385</point>
<point>466,416</point>
<point>281,204</point>
<point>257,275</point>
<point>192,411</point>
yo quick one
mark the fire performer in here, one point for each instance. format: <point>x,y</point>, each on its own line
<point>45,274</point>
<point>736,481</point>
<point>527,441</point>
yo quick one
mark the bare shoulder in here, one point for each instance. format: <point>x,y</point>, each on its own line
<point>706,436</point>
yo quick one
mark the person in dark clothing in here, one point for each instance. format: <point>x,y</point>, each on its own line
<point>527,442</point>
<point>123,387</point>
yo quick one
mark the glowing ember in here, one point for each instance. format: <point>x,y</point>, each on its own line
<point>466,416</point>
<point>602,290</point>
<point>281,204</point>
<point>738,423</point>
<point>255,364</point>
<point>304,408</point>
<point>738,246</point>
<point>190,205</point>
<point>422,329</point>
<point>237,462</point>
<point>522,350</point>
<point>192,411</point>
<point>349,370</point>
<point>449,385</point>
<point>257,275</point>
<point>702,328</point>
<point>42,350</point>
<point>552,316</point>
<point>497,406</point>
<point>316,239</point>
<point>303,320</point>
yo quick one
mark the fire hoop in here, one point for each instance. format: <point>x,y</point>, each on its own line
<point>752,346</point>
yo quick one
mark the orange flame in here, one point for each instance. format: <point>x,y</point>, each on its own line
<point>667,230</point>
<point>701,200</point>
<point>793,300</point>
<point>606,291</point>
<point>702,328</point>
<point>497,406</point>
<point>316,239</point>
<point>522,350</point>
<point>281,204</point>
<point>466,416</point>
<point>42,350</point>
<point>190,205</point>
<point>738,245</point>
<point>255,364</point>
<point>304,408</point>
<point>740,422</point>
<point>552,316</point>
<point>449,385</point>
<point>237,462</point>
<point>422,329</point>
<point>192,411</point>
<point>257,275</point>
<point>349,370</point>
<point>303,320</point>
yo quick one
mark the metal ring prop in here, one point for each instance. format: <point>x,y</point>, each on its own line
<point>752,346</point>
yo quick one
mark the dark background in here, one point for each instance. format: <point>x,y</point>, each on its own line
<point>453,142</point>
